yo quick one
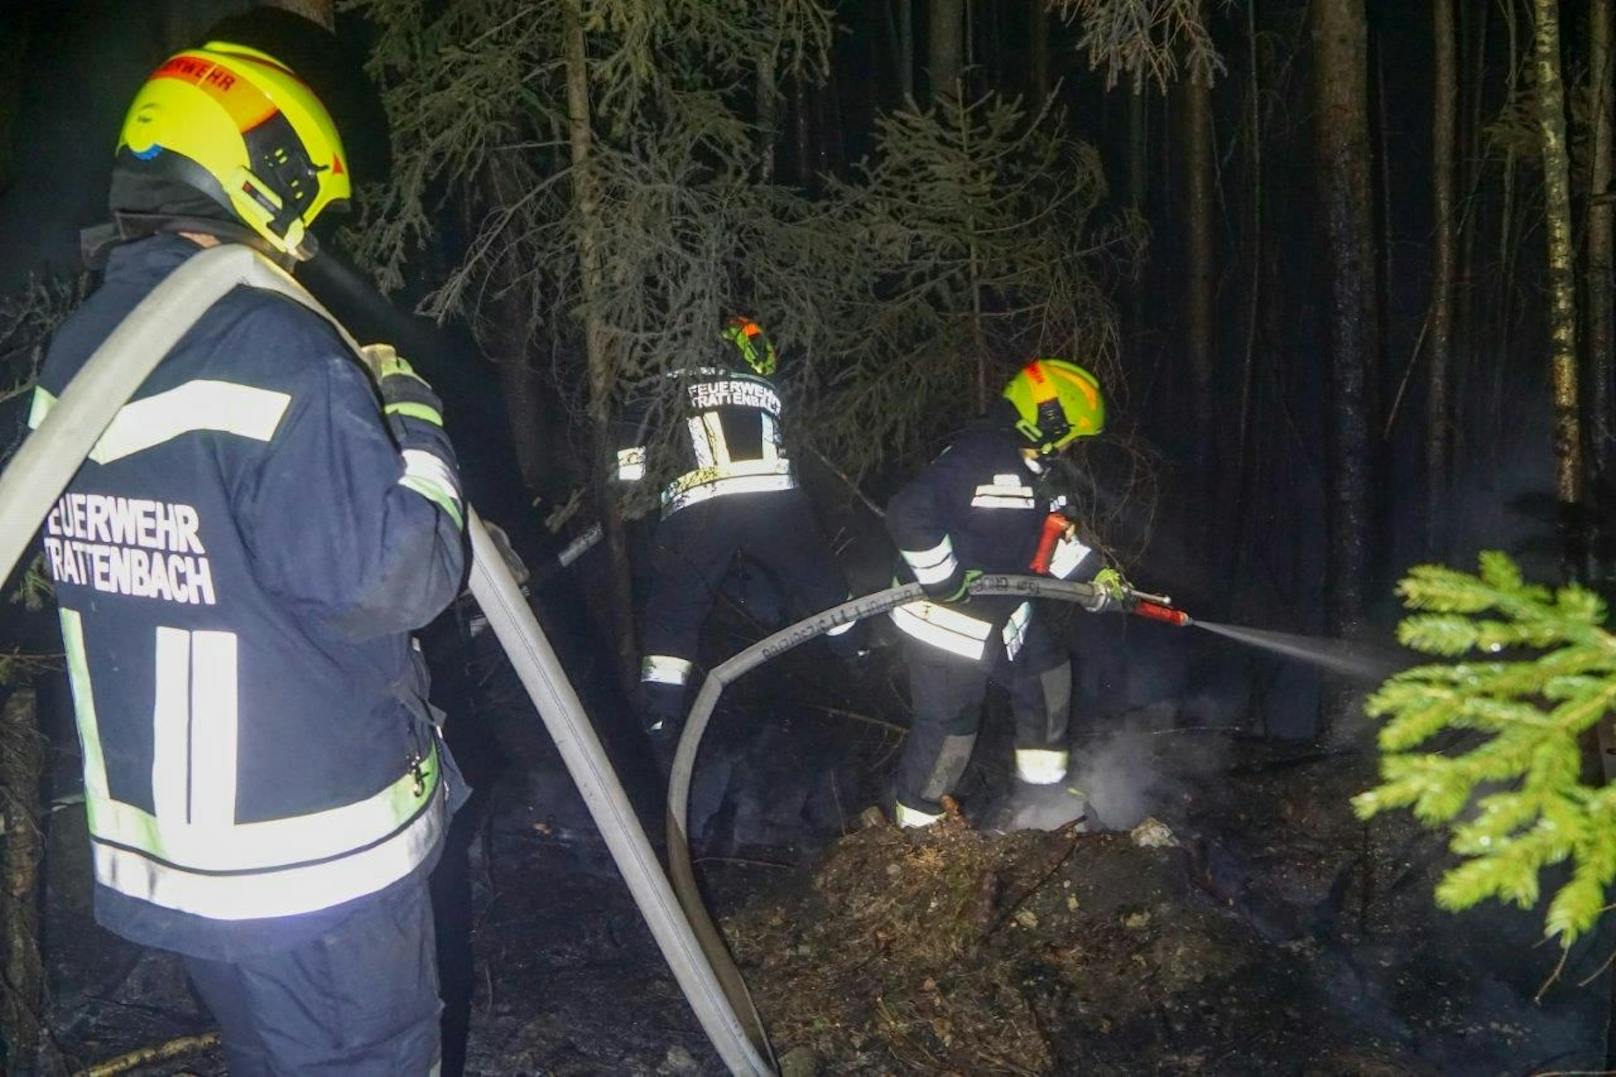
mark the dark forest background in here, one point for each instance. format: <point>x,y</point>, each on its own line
<point>1309,246</point>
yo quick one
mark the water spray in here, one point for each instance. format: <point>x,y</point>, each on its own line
<point>1359,661</point>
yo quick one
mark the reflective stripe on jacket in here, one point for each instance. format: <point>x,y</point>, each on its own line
<point>239,566</point>
<point>975,506</point>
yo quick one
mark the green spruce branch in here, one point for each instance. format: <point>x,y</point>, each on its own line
<point>1490,745</point>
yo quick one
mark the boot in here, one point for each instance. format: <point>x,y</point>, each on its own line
<point>1026,806</point>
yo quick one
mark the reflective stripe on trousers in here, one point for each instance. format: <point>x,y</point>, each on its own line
<point>665,669</point>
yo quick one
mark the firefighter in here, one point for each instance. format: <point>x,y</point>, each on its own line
<point>976,509</point>
<point>734,493</point>
<point>239,566</point>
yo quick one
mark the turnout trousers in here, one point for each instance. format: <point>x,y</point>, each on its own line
<point>361,999</point>
<point>691,554</point>
<point>946,693</point>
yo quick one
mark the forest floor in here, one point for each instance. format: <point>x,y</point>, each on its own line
<point>1259,929</point>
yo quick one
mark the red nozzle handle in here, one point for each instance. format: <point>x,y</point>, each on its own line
<point>1054,526</point>
<point>1154,611</point>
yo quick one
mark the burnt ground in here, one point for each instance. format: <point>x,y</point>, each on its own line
<point>1276,934</point>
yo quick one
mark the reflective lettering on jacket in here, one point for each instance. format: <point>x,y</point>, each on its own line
<point>129,546</point>
<point>734,393</point>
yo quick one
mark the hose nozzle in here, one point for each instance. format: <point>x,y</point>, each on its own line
<point>1153,609</point>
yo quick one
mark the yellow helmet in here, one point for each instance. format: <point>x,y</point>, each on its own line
<point>236,125</point>
<point>753,344</point>
<point>1056,403</point>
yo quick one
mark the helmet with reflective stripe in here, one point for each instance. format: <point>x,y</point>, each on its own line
<point>236,125</point>
<point>1056,403</point>
<point>753,344</point>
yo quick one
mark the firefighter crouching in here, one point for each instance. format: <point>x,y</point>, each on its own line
<point>239,566</point>
<point>976,509</point>
<point>734,493</point>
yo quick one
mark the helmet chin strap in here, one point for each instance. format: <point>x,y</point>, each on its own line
<point>96,242</point>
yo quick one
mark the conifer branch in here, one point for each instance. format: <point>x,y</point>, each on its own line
<point>1512,795</point>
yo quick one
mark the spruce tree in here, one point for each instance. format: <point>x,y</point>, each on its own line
<point>1489,745</point>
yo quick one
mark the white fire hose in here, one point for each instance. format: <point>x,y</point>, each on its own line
<point>50,457</point>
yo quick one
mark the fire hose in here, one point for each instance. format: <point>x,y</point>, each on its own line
<point>1137,603</point>
<point>50,457</point>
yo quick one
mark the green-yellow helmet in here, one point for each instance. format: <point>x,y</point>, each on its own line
<point>234,124</point>
<point>753,343</point>
<point>1056,403</point>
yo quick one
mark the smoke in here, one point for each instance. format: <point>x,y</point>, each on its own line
<point>1144,765</point>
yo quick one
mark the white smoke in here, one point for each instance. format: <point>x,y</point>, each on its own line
<point>1142,765</point>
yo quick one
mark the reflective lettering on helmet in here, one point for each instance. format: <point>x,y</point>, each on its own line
<point>247,105</point>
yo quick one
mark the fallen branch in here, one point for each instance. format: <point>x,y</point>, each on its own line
<point>146,1056</point>
<point>858,492</point>
<point>839,712</point>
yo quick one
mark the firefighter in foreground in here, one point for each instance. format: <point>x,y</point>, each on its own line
<point>974,510</point>
<point>239,566</point>
<point>735,493</point>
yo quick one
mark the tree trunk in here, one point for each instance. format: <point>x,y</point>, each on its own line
<point>803,132</point>
<point>1601,366</point>
<point>1138,195</point>
<point>1039,47</point>
<point>602,375</point>
<point>768,109</point>
<point>946,47</point>
<point>504,337</point>
<point>320,11</point>
<point>22,762</point>
<point>1345,199</point>
<point>1562,315</point>
<point>1199,213</point>
<point>1439,407</point>
<point>17,26</point>
<point>906,50</point>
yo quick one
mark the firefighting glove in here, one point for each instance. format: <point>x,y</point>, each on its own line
<point>960,594</point>
<point>1110,591</point>
<point>404,392</point>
